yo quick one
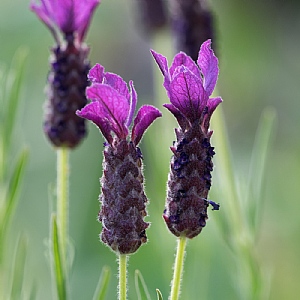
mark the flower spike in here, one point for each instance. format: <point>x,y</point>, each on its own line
<point>189,87</point>
<point>68,21</point>
<point>123,201</point>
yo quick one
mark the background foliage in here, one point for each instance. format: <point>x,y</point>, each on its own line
<point>258,46</point>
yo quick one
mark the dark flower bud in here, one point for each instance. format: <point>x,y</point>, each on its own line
<point>67,82</point>
<point>192,24</point>
<point>123,201</point>
<point>68,21</point>
<point>151,14</point>
<point>186,205</point>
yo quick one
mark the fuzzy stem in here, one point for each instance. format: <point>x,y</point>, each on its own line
<point>63,199</point>
<point>178,268</point>
<point>122,276</point>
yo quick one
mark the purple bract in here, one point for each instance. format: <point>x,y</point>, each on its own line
<point>189,86</point>
<point>113,106</point>
<point>68,16</point>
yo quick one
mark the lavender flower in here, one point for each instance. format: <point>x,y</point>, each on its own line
<point>152,14</point>
<point>189,86</point>
<point>123,199</point>
<point>68,21</point>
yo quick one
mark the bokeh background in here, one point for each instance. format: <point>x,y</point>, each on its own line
<point>258,45</point>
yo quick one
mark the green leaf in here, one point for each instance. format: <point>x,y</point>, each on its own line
<point>19,268</point>
<point>140,286</point>
<point>14,90</point>
<point>58,266</point>
<point>260,152</point>
<point>159,295</point>
<point>33,292</point>
<point>14,186</point>
<point>102,284</point>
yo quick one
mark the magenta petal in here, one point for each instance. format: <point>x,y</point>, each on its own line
<point>117,83</point>
<point>208,64</point>
<point>115,106</point>
<point>96,74</point>
<point>74,15</point>
<point>94,112</point>
<point>145,116</point>
<point>212,104</point>
<point>84,11</point>
<point>64,13</point>
<point>181,59</point>
<point>45,14</point>
<point>133,101</point>
<point>188,95</point>
<point>68,15</point>
<point>181,119</point>
<point>163,66</point>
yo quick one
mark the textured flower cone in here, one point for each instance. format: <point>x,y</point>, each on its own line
<point>123,199</point>
<point>192,24</point>
<point>189,86</point>
<point>67,82</point>
<point>152,14</point>
<point>189,183</point>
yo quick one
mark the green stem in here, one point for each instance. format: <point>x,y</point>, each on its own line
<point>63,199</point>
<point>178,268</point>
<point>122,276</point>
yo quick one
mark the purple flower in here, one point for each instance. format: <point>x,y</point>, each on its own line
<point>189,87</point>
<point>113,106</point>
<point>69,16</point>
<point>123,201</point>
<point>68,21</point>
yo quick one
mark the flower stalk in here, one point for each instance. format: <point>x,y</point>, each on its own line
<point>63,200</point>
<point>189,87</point>
<point>178,268</point>
<point>122,277</point>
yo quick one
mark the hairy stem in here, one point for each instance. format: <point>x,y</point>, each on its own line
<point>63,199</point>
<point>178,268</point>
<point>122,276</point>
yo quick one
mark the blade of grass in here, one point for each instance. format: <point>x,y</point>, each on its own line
<point>11,197</point>
<point>18,269</point>
<point>233,213</point>
<point>13,97</point>
<point>58,266</point>
<point>262,144</point>
<point>32,293</point>
<point>102,284</point>
<point>140,286</point>
<point>14,185</point>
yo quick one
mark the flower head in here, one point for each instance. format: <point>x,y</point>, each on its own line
<point>113,105</point>
<point>68,21</point>
<point>189,87</point>
<point>68,16</point>
<point>123,201</point>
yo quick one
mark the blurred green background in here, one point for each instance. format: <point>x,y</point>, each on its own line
<point>258,46</point>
